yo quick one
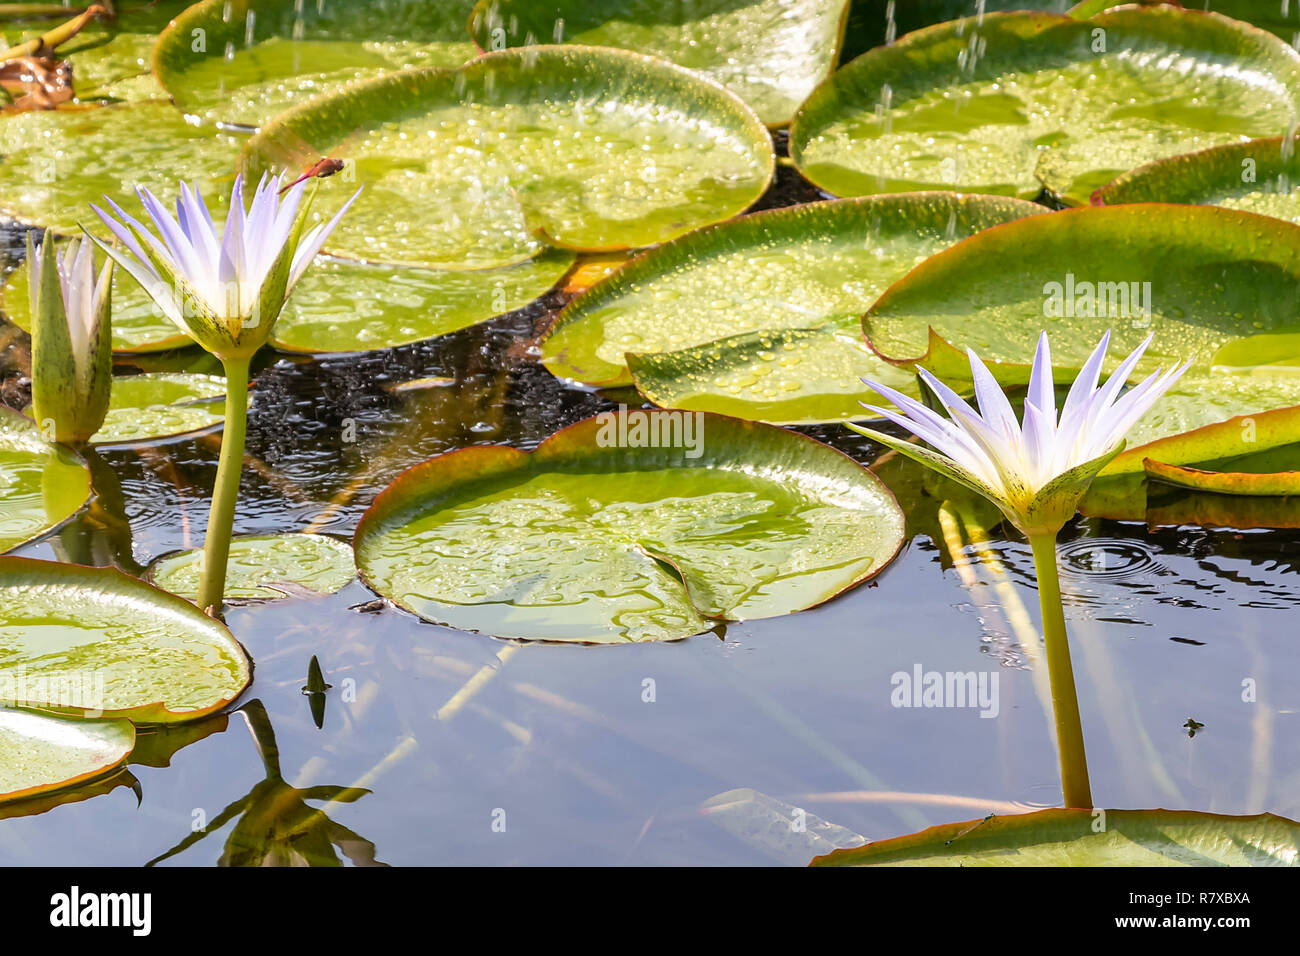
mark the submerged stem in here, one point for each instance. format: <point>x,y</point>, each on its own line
<point>1065,703</point>
<point>221,518</point>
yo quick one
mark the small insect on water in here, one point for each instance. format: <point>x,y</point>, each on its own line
<point>320,170</point>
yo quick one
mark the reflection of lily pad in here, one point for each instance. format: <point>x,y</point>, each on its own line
<point>261,56</point>
<point>597,537</point>
<point>1261,176</point>
<point>138,324</point>
<point>806,267</point>
<point>41,485</point>
<point>264,567</point>
<point>469,169</point>
<point>155,405</point>
<point>83,640</point>
<point>53,163</point>
<point>1011,102</point>
<point>39,753</point>
<point>771,53</point>
<point>1071,838</point>
<point>342,306</point>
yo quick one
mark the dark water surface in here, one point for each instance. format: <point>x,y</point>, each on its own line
<point>476,751</point>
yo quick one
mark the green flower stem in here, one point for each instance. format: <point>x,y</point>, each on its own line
<point>221,518</point>
<point>1065,704</point>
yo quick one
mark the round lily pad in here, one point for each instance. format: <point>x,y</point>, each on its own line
<point>39,753</point>
<point>244,61</point>
<point>54,163</point>
<point>41,485</point>
<point>771,53</point>
<point>480,167</point>
<point>95,641</point>
<point>630,526</point>
<point>1261,175</point>
<point>156,405</point>
<point>1009,103</point>
<point>1072,838</point>
<point>346,306</point>
<point>264,567</point>
<point>138,325</point>
<point>817,266</point>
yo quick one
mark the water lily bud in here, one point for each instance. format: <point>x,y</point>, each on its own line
<point>72,359</point>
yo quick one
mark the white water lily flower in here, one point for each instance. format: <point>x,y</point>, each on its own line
<point>1037,472</point>
<point>72,362</point>
<point>224,291</point>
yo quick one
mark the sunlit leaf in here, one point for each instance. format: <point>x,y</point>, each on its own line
<point>95,641</point>
<point>1073,838</point>
<point>41,485</point>
<point>40,753</point>
<point>260,57</point>
<point>1009,103</point>
<point>817,266</point>
<point>598,536</point>
<point>584,148</point>
<point>264,567</point>
<point>771,53</point>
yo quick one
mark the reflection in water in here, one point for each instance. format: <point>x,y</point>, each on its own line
<point>275,826</point>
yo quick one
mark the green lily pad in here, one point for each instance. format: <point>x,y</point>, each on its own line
<point>597,537</point>
<point>156,405</point>
<point>1070,838</point>
<point>1261,176</point>
<point>1013,102</point>
<point>41,485</point>
<point>264,567</point>
<point>1279,17</point>
<point>344,306</point>
<point>1278,483</point>
<point>805,267</point>
<point>53,163</point>
<point>39,753</point>
<point>86,641</point>
<point>770,53</point>
<point>259,57</point>
<point>1194,277</point>
<point>138,325</point>
<point>584,148</point>
<point>786,377</point>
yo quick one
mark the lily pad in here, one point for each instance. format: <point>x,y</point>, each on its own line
<point>345,306</point>
<point>41,485</point>
<point>53,163</point>
<point>817,266</point>
<point>480,167</point>
<point>1279,17</point>
<point>1194,277</point>
<point>1010,103</point>
<point>39,753</point>
<point>1278,483</point>
<point>787,376</point>
<point>259,57</point>
<point>156,405</point>
<point>264,567</point>
<point>1069,838</point>
<point>770,53</point>
<point>1262,176</point>
<point>598,536</point>
<point>92,641</point>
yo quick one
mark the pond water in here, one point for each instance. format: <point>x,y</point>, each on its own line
<point>478,751</point>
